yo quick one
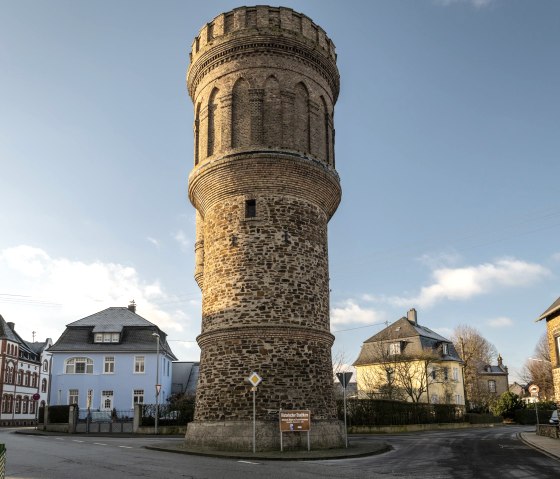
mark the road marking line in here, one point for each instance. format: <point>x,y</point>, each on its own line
<point>76,440</point>
<point>100,444</point>
<point>59,439</point>
<point>248,462</point>
<point>127,447</point>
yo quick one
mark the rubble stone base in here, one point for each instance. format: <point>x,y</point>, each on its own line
<point>238,435</point>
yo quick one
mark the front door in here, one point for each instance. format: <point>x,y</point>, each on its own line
<point>106,400</point>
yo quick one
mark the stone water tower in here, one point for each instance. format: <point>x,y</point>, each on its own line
<point>264,82</point>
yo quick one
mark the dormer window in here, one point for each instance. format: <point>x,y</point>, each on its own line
<point>394,348</point>
<point>445,349</point>
<point>106,338</point>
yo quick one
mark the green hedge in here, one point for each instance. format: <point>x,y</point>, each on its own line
<point>529,416</point>
<point>476,418</point>
<point>380,412</point>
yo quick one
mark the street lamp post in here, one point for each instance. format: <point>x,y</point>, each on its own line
<point>158,386</point>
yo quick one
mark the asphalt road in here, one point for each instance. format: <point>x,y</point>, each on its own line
<point>473,453</point>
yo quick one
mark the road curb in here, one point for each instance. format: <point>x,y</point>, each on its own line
<point>320,454</point>
<point>536,448</point>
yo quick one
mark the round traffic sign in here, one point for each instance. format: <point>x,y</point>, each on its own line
<point>36,397</point>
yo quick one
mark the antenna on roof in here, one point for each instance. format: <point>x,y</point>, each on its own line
<point>33,335</point>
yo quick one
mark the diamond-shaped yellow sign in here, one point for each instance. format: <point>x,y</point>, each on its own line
<point>254,379</point>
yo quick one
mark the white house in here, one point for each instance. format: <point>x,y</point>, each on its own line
<point>112,359</point>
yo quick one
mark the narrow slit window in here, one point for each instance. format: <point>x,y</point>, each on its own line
<point>250,208</point>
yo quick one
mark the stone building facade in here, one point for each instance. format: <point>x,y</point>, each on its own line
<point>552,317</point>
<point>263,82</point>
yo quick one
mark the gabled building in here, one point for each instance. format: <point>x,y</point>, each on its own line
<point>552,318</point>
<point>493,379</point>
<point>45,358</point>
<point>112,359</point>
<point>407,361</point>
<point>20,372</point>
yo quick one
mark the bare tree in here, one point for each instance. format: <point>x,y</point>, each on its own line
<point>538,370</point>
<point>475,351</point>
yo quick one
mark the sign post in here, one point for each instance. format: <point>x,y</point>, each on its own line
<point>295,421</point>
<point>344,379</point>
<point>36,398</point>
<point>255,380</point>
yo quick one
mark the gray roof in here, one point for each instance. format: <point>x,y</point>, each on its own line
<point>415,340</point>
<point>136,334</point>
<point>25,351</point>
<point>551,311</point>
<point>185,377</point>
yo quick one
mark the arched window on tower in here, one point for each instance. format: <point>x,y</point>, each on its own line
<point>240,115</point>
<point>272,112</point>
<point>197,135</point>
<point>44,386</point>
<point>301,118</point>
<point>213,123</point>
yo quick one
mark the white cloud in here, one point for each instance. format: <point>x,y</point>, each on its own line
<point>72,290</point>
<point>440,260</point>
<point>183,240</point>
<point>500,322</point>
<point>351,313</point>
<point>556,257</point>
<point>474,3</point>
<point>154,241</point>
<point>467,282</point>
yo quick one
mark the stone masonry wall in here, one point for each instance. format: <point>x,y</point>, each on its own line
<point>553,332</point>
<point>264,82</point>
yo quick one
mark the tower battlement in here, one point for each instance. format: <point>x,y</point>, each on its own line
<point>262,17</point>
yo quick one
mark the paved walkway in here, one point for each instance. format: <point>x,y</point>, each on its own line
<point>546,445</point>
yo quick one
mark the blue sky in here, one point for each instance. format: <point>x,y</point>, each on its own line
<point>447,143</point>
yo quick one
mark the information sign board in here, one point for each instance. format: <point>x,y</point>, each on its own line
<point>295,421</point>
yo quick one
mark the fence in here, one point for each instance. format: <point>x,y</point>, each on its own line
<point>111,421</point>
<point>2,461</point>
<point>169,414</point>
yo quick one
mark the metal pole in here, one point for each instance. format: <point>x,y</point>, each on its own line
<point>254,420</point>
<point>537,410</point>
<point>345,426</point>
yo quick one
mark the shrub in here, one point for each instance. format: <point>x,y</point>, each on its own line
<point>506,405</point>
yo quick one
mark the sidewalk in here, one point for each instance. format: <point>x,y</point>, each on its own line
<point>546,445</point>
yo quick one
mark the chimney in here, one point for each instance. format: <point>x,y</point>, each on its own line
<point>12,326</point>
<point>132,306</point>
<point>412,316</point>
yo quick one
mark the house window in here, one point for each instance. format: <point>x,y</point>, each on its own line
<point>139,364</point>
<point>73,396</point>
<point>137,397</point>
<point>44,386</point>
<point>456,375</point>
<point>250,208</point>
<point>390,375</point>
<point>106,337</point>
<point>7,403</point>
<point>18,404</point>
<point>20,377</point>
<point>34,380</point>
<point>445,349</point>
<point>445,374</point>
<point>109,365</point>
<point>79,366</point>
<point>27,378</point>
<point>492,386</point>
<point>433,373</point>
<point>435,399</point>
<point>45,366</point>
<point>32,407</point>
<point>457,399</point>
<point>89,400</point>
<point>394,348</point>
<point>25,405</point>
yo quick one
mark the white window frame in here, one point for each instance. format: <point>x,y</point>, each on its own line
<point>71,363</point>
<point>491,386</point>
<point>445,349</point>
<point>98,338</point>
<point>455,374</point>
<point>139,365</point>
<point>109,361</point>
<point>73,393</point>
<point>394,348</point>
<point>138,396</point>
